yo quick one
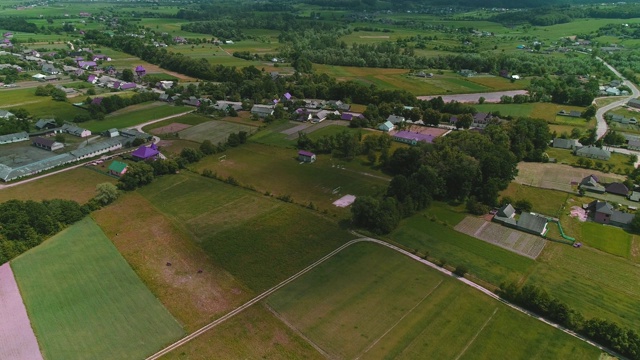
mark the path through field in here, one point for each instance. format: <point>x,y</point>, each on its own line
<point>265,294</point>
<point>17,340</point>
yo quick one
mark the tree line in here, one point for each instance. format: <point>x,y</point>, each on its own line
<point>622,340</point>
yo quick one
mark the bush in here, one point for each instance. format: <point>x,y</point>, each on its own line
<point>461,270</point>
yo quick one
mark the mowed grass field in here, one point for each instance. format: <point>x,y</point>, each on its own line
<point>277,170</point>
<point>607,238</point>
<point>134,115</point>
<point>214,131</point>
<point>38,106</point>
<point>589,280</point>
<point>56,186</point>
<point>85,302</point>
<point>258,239</point>
<point>370,302</point>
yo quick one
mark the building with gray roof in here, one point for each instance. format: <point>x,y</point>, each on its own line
<point>16,137</point>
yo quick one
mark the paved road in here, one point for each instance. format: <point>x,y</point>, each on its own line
<point>470,283</point>
<point>602,127</point>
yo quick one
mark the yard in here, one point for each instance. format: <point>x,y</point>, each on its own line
<point>134,115</point>
<point>84,301</point>
<point>417,311</point>
<point>258,239</point>
<point>546,202</point>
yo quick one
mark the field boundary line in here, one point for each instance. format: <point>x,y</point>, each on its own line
<point>476,335</point>
<point>294,329</point>
<point>399,320</point>
<point>466,281</point>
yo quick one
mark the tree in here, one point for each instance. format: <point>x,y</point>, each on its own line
<point>58,95</point>
<point>523,205</point>
<point>464,121</point>
<point>60,138</point>
<point>481,100</point>
<point>635,223</point>
<point>106,193</point>
<point>589,112</point>
<point>138,174</point>
<point>127,75</point>
<point>207,147</point>
<point>191,155</point>
<point>461,270</point>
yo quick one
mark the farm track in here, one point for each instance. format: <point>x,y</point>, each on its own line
<point>267,293</point>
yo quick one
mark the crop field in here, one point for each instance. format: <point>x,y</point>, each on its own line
<point>84,301</point>
<point>257,165</point>
<point>417,312</point>
<point>609,239</point>
<point>253,334</point>
<point>590,281</point>
<point>214,131</point>
<point>57,186</point>
<point>149,240</point>
<point>135,116</point>
<point>558,176</point>
<point>513,240</point>
<point>258,239</point>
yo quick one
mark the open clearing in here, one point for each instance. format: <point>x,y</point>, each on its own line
<point>214,131</point>
<point>490,97</point>
<point>148,241</point>
<point>133,117</point>
<point>85,302</point>
<point>17,340</point>
<point>169,129</point>
<point>513,240</point>
<point>391,307</point>
<point>558,176</point>
<point>258,239</point>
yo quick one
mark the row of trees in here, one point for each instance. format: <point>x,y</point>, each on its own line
<point>25,224</point>
<point>50,90</point>
<point>607,333</point>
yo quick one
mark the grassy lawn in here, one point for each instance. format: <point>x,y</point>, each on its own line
<point>619,163</point>
<point>148,240</point>
<point>84,301</point>
<point>485,261</point>
<point>57,186</point>
<point>276,170</point>
<point>38,106</point>
<point>137,115</point>
<point>189,119</point>
<point>607,238</point>
<point>544,201</point>
<point>259,240</point>
<point>515,110</point>
<point>215,131</point>
<point>417,311</point>
<point>253,334</point>
<point>336,129</point>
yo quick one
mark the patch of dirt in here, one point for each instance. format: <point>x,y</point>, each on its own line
<point>175,269</point>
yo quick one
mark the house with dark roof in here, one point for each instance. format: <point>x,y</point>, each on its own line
<point>481,120</point>
<point>306,156</point>
<point>532,223</point>
<point>163,97</point>
<point>634,103</point>
<point>117,168</point>
<point>226,105</point>
<point>262,110</point>
<point>50,69</point>
<point>87,65</point>
<point>47,144</point>
<point>127,86</point>
<point>338,105</point>
<point>602,212</point>
<point>44,124</point>
<point>572,113</point>
<point>566,143</point>
<point>593,152</point>
<point>590,183</point>
<point>96,101</point>
<point>395,119</point>
<point>100,57</point>
<point>4,114</point>
<point>617,188</point>
<point>75,130</point>
<point>351,115</point>
<point>145,153</point>
<point>192,101</point>
<point>622,119</point>
<point>15,137</point>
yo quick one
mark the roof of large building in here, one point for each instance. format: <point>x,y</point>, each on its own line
<point>428,138</point>
<point>617,188</point>
<point>593,151</point>
<point>72,129</point>
<point>96,146</point>
<point>535,223</point>
<point>144,152</point>
<point>14,136</point>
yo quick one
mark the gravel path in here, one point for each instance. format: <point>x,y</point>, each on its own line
<point>17,340</point>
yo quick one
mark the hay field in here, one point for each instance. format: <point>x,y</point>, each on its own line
<point>513,240</point>
<point>85,302</point>
<point>392,307</point>
<point>214,131</point>
<point>258,239</point>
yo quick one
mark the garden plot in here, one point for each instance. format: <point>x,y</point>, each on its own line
<point>513,240</point>
<point>214,131</point>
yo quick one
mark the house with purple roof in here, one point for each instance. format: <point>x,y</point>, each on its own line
<point>100,57</point>
<point>306,156</point>
<point>96,101</point>
<point>287,96</point>
<point>145,153</point>
<point>351,115</point>
<point>410,138</point>
<point>116,85</point>
<point>8,35</point>
<point>127,86</point>
<point>87,65</point>
<point>140,71</point>
<point>78,58</point>
<point>179,40</point>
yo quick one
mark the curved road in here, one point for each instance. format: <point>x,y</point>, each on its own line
<point>265,294</point>
<point>602,127</point>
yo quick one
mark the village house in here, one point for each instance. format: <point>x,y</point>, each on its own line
<point>75,130</point>
<point>191,101</point>
<point>306,156</point>
<point>140,71</point>
<point>117,168</point>
<point>111,133</point>
<point>44,124</point>
<point>617,188</point>
<point>527,222</point>
<point>593,152</point>
<point>410,138</point>
<point>351,115</point>
<point>633,145</point>
<point>226,105</point>
<point>572,113</point>
<point>145,153</point>
<point>12,138</point>
<point>590,183</point>
<point>47,144</point>
<point>634,103</point>
<point>566,143</point>
<point>622,120</point>
<point>262,111</point>
<point>101,57</point>
<point>4,114</point>
<point>395,119</point>
<point>50,69</point>
<point>602,212</point>
<point>386,126</point>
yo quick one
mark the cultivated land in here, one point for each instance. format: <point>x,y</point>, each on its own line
<point>588,280</point>
<point>417,310</point>
<point>17,340</point>
<point>88,303</point>
<point>513,240</point>
<point>134,115</point>
<point>56,186</point>
<point>259,240</point>
<point>214,131</point>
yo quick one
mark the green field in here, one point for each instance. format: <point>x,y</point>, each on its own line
<point>370,302</point>
<point>544,201</point>
<point>258,239</point>
<point>38,106</point>
<point>189,119</point>
<point>85,301</point>
<point>607,238</point>
<point>590,281</point>
<point>619,163</point>
<point>134,115</point>
<point>214,131</point>
<point>276,170</point>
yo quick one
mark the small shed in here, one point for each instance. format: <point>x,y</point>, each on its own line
<point>117,168</point>
<point>306,156</point>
